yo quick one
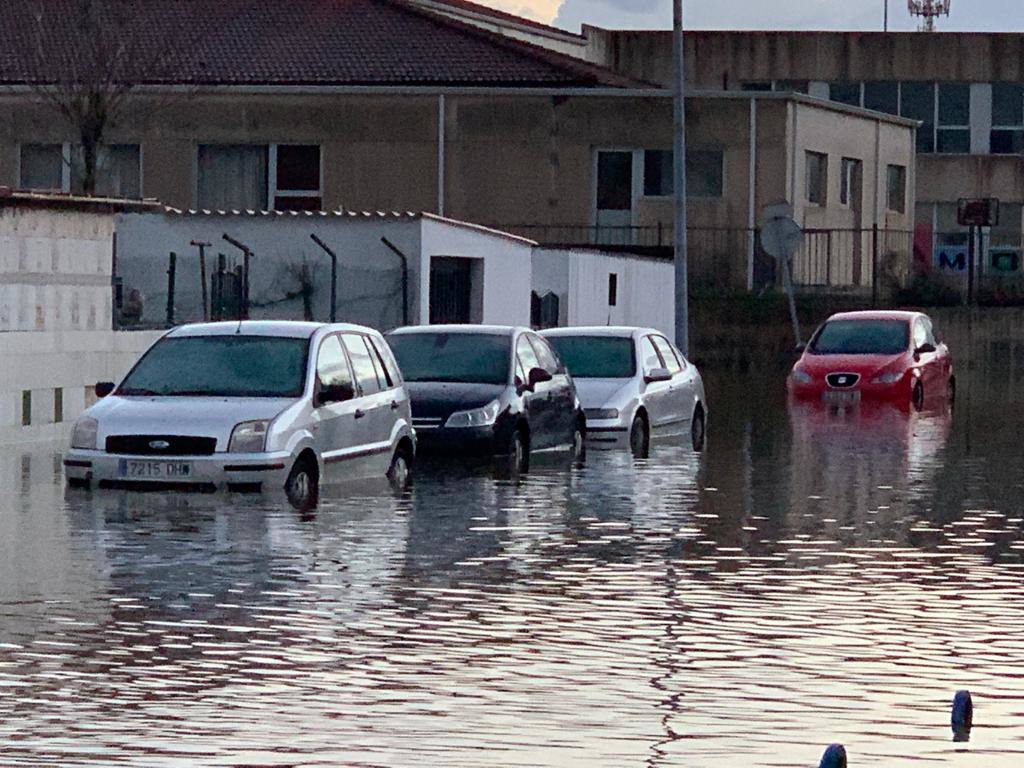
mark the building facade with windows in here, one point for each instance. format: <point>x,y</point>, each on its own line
<point>965,89</point>
<point>399,107</point>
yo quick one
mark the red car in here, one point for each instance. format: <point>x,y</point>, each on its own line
<point>880,356</point>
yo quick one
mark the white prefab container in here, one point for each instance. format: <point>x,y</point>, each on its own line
<point>599,288</point>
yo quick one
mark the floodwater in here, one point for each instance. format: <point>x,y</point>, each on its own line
<point>811,578</point>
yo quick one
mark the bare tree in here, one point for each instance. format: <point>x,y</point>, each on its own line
<point>89,58</point>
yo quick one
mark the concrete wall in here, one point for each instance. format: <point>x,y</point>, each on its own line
<point>38,364</point>
<point>645,294</point>
<point>54,270</point>
<point>507,268</point>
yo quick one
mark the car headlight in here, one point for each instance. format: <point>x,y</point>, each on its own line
<point>802,377</point>
<point>602,414</point>
<point>249,437</point>
<point>891,377</point>
<point>83,436</point>
<point>480,417</point>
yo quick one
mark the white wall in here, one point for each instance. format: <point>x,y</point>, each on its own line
<point>508,268</point>
<point>55,269</point>
<point>646,294</point>
<point>42,361</point>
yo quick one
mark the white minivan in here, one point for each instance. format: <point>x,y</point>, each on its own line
<point>254,405</point>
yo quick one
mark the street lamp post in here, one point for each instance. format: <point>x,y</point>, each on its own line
<point>681,275</point>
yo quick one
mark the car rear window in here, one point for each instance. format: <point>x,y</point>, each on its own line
<point>596,357</point>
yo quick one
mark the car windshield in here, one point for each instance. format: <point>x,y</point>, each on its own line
<point>596,357</point>
<point>221,366</point>
<point>470,358</point>
<point>862,337</point>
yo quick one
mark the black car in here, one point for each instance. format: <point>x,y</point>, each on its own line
<point>489,391</point>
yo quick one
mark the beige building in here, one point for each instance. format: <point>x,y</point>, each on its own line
<point>443,116</point>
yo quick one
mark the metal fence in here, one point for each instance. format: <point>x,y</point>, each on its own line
<point>872,260</point>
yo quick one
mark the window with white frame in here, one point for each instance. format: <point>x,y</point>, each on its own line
<point>1007,119</point>
<point>953,135</point>
<point>817,178</point>
<point>849,181</point>
<point>279,177</point>
<point>845,93</point>
<point>60,168</point>
<point>882,96</point>
<point>705,173</point>
<point>896,188</point>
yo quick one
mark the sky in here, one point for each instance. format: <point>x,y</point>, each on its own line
<point>996,15</point>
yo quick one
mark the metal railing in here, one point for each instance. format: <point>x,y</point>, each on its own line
<point>866,259</point>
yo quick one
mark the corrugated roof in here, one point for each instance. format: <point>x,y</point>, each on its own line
<point>273,42</point>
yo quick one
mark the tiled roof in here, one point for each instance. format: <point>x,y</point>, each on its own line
<point>274,42</point>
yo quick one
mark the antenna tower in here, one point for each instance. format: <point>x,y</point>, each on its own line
<point>929,10</point>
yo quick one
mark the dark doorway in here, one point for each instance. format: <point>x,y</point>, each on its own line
<point>451,290</point>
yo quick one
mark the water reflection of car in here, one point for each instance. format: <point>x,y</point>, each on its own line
<point>893,356</point>
<point>633,383</point>
<point>250,406</point>
<point>489,391</point>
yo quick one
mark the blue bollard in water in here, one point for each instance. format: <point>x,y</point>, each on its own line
<point>963,716</point>
<point>834,757</point>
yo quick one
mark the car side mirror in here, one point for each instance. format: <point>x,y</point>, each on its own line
<point>104,388</point>
<point>539,376</point>
<point>925,349</point>
<point>657,375</point>
<point>335,393</point>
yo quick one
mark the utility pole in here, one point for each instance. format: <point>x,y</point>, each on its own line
<point>681,274</point>
<point>885,25</point>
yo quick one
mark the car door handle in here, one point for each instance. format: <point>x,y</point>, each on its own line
<point>359,414</point>
<point>394,405</point>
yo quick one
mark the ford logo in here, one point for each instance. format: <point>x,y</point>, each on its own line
<point>159,445</point>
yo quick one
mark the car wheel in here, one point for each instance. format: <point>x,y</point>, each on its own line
<point>303,484</point>
<point>400,471</point>
<point>579,444</point>
<point>519,453</point>
<point>917,397</point>
<point>698,429</point>
<point>640,437</point>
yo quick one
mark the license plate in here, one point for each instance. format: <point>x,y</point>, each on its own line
<point>154,470</point>
<point>841,398</point>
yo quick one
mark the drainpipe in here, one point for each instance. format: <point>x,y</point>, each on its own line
<point>172,264</point>
<point>246,255</point>
<point>334,275</point>
<point>405,278</point>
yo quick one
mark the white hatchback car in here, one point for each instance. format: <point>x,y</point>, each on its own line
<point>633,383</point>
<point>250,406</point>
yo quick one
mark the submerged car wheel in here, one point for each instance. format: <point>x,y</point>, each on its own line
<point>697,429</point>
<point>303,484</point>
<point>519,453</point>
<point>640,437</point>
<point>579,444</point>
<point>917,397</point>
<point>400,471</point>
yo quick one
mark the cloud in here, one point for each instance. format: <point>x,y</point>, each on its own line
<point>538,10</point>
